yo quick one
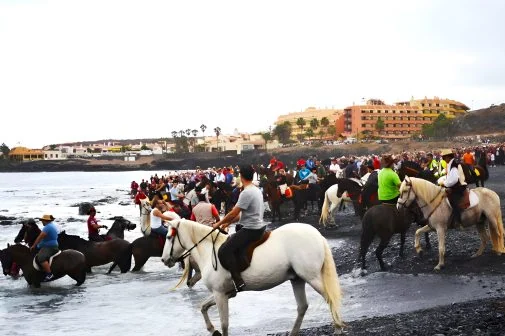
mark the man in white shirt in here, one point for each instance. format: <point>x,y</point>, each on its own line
<point>335,167</point>
<point>455,182</point>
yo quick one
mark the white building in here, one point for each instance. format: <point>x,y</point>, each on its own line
<point>55,154</point>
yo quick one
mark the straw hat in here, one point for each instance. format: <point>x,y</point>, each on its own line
<point>48,218</point>
<point>446,151</point>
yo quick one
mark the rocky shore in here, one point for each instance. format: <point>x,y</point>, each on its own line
<point>478,317</point>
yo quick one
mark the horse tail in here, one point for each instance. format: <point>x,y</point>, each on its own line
<point>331,285</point>
<point>496,226</point>
<point>184,275</point>
<point>325,209</point>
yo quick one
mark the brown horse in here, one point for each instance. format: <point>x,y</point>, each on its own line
<point>69,262</point>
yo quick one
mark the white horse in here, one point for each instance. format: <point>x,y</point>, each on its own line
<point>295,252</point>
<point>331,202</point>
<point>436,209</point>
<point>145,228</point>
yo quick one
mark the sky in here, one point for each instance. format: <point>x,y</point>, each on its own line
<point>89,70</point>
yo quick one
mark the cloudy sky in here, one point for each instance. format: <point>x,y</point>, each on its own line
<point>88,70</point>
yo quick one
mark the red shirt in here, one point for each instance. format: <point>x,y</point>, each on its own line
<point>300,162</point>
<point>134,185</point>
<point>91,230</point>
<point>376,163</point>
<point>140,196</point>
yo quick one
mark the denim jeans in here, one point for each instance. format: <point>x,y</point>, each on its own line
<point>162,230</point>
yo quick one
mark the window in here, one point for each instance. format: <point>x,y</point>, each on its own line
<point>51,156</point>
<point>386,111</point>
<point>56,155</point>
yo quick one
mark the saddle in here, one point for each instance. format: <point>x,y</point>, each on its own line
<point>38,267</point>
<point>244,257</point>
<point>468,201</point>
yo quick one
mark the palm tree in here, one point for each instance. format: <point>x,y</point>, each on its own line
<point>203,128</point>
<point>331,130</point>
<point>188,132</point>
<point>321,134</point>
<point>174,134</point>
<point>325,122</point>
<point>301,123</point>
<point>217,130</point>
<point>195,132</point>
<point>309,133</point>
<point>267,136</point>
<point>181,133</point>
<point>314,124</point>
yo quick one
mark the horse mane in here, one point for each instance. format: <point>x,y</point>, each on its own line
<point>198,231</point>
<point>425,189</point>
<point>73,238</point>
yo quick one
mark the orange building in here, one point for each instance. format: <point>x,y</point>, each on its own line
<point>399,121</point>
<point>25,154</point>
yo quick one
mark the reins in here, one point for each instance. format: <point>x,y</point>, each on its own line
<point>426,203</point>
<point>188,251</point>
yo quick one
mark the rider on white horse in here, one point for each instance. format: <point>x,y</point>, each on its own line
<point>249,213</point>
<point>455,181</point>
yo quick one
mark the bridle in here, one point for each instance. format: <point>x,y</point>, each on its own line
<point>175,234</point>
<point>411,189</point>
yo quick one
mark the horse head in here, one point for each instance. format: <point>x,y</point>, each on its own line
<point>28,232</point>
<point>121,223</point>
<point>173,248</point>
<point>7,260</point>
<point>407,195</point>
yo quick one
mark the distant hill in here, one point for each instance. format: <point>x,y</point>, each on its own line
<point>119,142</point>
<point>490,120</point>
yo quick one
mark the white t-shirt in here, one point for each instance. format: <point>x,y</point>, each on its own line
<point>155,220</point>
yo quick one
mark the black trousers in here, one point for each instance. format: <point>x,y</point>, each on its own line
<point>236,243</point>
<point>454,199</point>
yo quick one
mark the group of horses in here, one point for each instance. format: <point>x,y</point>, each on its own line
<point>114,249</point>
<point>295,252</point>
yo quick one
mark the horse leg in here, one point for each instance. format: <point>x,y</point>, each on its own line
<point>221,300</point>
<point>402,243</point>
<point>140,261</point>
<point>204,308</point>
<point>483,239</point>
<point>441,248</point>
<point>198,275</point>
<point>301,302</point>
<point>366,239</point>
<point>427,240</point>
<point>417,238</point>
<point>114,264</point>
<point>378,252</point>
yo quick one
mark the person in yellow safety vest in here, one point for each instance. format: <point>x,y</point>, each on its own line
<point>438,168</point>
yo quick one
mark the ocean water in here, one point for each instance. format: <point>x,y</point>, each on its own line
<point>144,303</point>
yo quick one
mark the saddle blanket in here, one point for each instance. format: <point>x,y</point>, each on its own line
<point>36,264</point>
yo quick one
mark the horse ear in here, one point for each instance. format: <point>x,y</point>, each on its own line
<point>8,245</point>
<point>408,181</point>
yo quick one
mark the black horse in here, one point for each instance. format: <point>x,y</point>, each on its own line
<point>384,220</point>
<point>116,231</point>
<point>96,253</point>
<point>69,262</point>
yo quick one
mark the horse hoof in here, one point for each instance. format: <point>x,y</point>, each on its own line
<point>438,268</point>
<point>420,253</point>
<point>216,333</point>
